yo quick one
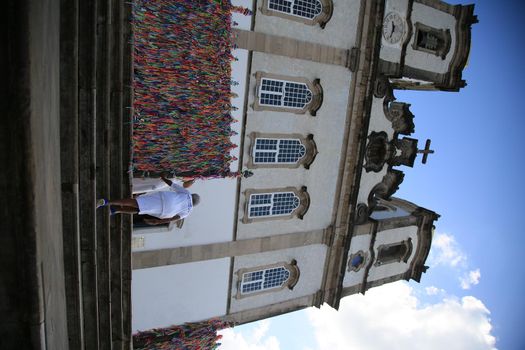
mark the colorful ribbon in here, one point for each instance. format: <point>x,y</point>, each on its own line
<point>182,87</point>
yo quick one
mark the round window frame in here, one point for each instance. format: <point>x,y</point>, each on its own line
<point>360,253</point>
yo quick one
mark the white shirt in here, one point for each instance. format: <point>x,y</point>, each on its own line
<point>177,201</point>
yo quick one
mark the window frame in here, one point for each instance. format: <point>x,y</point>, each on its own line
<point>284,94</point>
<point>443,34</point>
<point>299,151</point>
<point>402,258</point>
<point>311,107</point>
<point>299,212</point>
<point>293,278</point>
<point>272,205</point>
<point>308,142</point>
<point>322,18</point>
<point>364,261</point>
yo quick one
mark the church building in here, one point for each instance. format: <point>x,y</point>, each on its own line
<point>323,145</point>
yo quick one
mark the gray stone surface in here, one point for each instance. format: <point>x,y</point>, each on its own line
<point>32,292</point>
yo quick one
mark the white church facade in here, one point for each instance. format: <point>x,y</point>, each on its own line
<point>322,145</point>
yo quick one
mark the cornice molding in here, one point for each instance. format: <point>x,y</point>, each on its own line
<point>368,43</point>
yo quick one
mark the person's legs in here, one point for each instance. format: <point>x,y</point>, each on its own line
<point>125,202</point>
<point>125,210</point>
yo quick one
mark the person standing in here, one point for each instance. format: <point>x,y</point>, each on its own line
<point>161,206</point>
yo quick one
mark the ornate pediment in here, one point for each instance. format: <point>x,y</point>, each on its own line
<point>396,152</point>
<point>405,152</point>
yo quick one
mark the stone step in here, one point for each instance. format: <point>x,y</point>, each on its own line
<point>119,145</point>
<point>96,132</point>
<point>116,169</point>
<point>104,75</point>
<point>69,138</point>
<point>87,85</point>
<point>127,130</point>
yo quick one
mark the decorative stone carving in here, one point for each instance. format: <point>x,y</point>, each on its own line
<point>383,88</point>
<point>305,202</point>
<point>386,188</point>
<point>396,152</point>
<point>317,98</point>
<point>296,273</point>
<point>361,213</point>
<point>377,152</point>
<point>398,113</point>
<point>405,152</point>
<point>391,182</point>
<point>313,147</point>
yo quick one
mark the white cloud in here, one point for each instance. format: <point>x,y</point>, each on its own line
<point>258,339</point>
<point>470,279</point>
<point>446,251</point>
<point>432,290</point>
<point>391,317</point>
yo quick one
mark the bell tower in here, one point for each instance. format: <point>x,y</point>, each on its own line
<point>392,245</point>
<point>425,44</point>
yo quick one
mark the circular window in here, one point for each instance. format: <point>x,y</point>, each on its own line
<point>356,261</point>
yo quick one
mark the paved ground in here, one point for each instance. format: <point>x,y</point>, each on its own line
<point>32,301</point>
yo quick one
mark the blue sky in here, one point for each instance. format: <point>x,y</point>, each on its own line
<point>473,181</point>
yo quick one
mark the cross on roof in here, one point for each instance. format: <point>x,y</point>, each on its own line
<point>425,151</point>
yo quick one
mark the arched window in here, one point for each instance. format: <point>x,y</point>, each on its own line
<point>287,94</point>
<point>264,279</point>
<point>287,151</point>
<point>276,204</point>
<point>281,150</point>
<point>304,11</point>
<point>273,204</point>
<point>267,278</point>
<point>281,93</point>
<point>301,8</point>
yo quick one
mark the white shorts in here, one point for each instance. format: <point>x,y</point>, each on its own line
<point>150,204</point>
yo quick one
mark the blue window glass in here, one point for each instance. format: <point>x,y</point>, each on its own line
<point>357,261</point>
<point>260,280</point>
